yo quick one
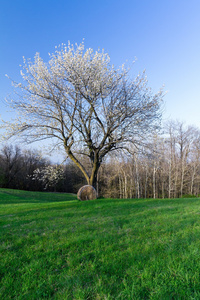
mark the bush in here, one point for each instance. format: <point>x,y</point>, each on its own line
<point>189,196</point>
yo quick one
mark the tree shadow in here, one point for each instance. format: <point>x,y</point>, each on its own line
<point>8,196</point>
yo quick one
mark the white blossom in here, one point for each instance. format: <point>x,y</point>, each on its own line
<point>49,175</point>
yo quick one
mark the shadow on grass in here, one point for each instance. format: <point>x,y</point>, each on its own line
<point>9,196</point>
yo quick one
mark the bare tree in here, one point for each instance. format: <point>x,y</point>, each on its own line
<point>87,105</point>
<point>11,163</point>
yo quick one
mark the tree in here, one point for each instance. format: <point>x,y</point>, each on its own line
<point>11,165</point>
<point>49,175</point>
<point>87,105</point>
<point>17,166</point>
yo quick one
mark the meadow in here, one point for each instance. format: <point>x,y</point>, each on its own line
<point>53,246</point>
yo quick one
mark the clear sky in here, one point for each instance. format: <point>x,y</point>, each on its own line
<point>164,36</point>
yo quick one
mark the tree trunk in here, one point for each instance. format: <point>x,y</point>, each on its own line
<point>120,186</point>
<point>78,164</point>
<point>154,181</point>
<point>95,168</point>
<point>93,180</point>
<point>169,178</point>
<point>137,177</point>
<point>146,181</point>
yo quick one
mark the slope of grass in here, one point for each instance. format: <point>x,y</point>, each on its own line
<point>55,247</point>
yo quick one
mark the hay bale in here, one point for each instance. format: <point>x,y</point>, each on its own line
<point>87,192</point>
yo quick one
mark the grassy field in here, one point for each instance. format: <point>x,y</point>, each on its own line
<point>55,247</point>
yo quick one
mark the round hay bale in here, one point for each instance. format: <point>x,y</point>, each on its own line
<point>87,192</point>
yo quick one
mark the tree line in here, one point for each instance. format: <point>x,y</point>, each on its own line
<point>169,167</point>
<point>106,122</point>
<point>29,170</point>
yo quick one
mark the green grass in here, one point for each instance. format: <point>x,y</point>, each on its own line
<point>55,247</point>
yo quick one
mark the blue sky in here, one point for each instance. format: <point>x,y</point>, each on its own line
<point>164,36</point>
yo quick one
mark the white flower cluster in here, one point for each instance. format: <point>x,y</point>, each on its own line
<point>49,175</point>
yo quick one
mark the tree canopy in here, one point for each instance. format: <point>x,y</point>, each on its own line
<point>85,103</point>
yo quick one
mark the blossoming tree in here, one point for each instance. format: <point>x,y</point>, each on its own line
<point>86,104</point>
